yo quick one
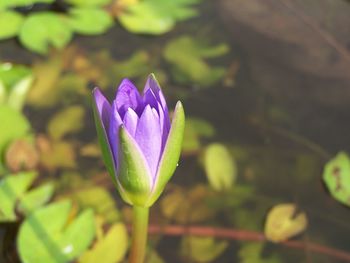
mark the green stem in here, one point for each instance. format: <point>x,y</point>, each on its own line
<point>139,234</point>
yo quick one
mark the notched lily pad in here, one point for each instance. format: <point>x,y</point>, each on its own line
<point>10,23</point>
<point>283,222</point>
<point>187,58</point>
<point>58,240</point>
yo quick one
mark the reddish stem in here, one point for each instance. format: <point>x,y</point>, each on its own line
<point>244,235</point>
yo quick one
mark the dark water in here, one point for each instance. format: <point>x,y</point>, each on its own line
<point>288,133</point>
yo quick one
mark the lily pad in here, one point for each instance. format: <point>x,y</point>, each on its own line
<point>16,3</point>
<point>69,120</point>
<point>11,74</point>
<point>283,222</point>
<point>12,187</point>
<point>202,249</point>
<point>14,125</point>
<point>156,16</point>
<point>220,167</point>
<point>88,3</point>
<point>336,176</point>
<point>57,240</point>
<point>186,55</point>
<point>41,30</point>
<point>10,23</point>
<point>111,248</point>
<point>81,22</point>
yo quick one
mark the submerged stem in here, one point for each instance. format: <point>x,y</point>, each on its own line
<point>139,234</point>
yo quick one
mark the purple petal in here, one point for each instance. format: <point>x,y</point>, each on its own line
<point>103,107</point>
<point>149,98</point>
<point>128,97</point>
<point>130,121</point>
<point>164,124</point>
<point>148,137</point>
<point>152,84</point>
<point>113,133</point>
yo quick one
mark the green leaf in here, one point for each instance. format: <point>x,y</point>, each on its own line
<point>11,74</point>
<point>81,20</point>
<point>40,30</point>
<point>69,120</point>
<point>36,198</point>
<point>13,125</point>
<point>18,94</point>
<point>252,253</point>
<point>283,222</point>
<point>186,56</point>
<point>171,153</point>
<point>17,3</point>
<point>202,249</point>
<point>100,200</point>
<point>10,23</point>
<point>12,187</point>
<point>220,167</point>
<point>89,3</point>
<point>336,176</point>
<point>156,16</point>
<point>48,235</point>
<point>111,248</point>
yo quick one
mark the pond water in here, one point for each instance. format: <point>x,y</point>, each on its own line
<point>280,118</point>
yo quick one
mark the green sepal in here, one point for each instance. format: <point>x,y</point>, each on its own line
<point>133,172</point>
<point>171,154</point>
<point>104,144</point>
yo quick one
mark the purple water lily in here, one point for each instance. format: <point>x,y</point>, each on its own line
<point>139,145</point>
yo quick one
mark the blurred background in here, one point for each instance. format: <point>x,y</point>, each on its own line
<point>264,175</point>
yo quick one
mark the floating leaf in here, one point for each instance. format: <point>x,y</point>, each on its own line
<point>252,253</point>
<point>156,16</point>
<point>69,120</point>
<point>89,3</point>
<point>220,167</point>
<point>187,206</point>
<point>40,30</point>
<point>21,154</point>
<point>13,125</point>
<point>57,240</point>
<point>202,249</point>
<point>54,154</point>
<point>283,222</point>
<point>10,23</point>
<point>36,198</point>
<point>12,187</point>
<point>111,248</point>
<point>336,175</point>
<point>98,199</point>
<point>16,3</point>
<point>186,56</point>
<point>11,74</point>
<point>81,22</point>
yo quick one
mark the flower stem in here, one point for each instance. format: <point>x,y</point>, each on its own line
<point>139,234</point>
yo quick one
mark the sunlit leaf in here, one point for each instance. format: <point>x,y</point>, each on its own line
<point>69,120</point>
<point>89,3</point>
<point>98,199</point>
<point>202,249</point>
<point>187,206</point>
<point>10,23</point>
<point>18,93</point>
<point>48,235</point>
<point>186,55</point>
<point>36,198</point>
<point>111,248</point>
<point>283,222</point>
<point>81,20</point>
<point>220,167</point>
<point>17,3</point>
<point>336,176</point>
<point>252,253</point>
<point>13,125</point>
<point>11,74</point>
<point>12,187</point>
<point>156,16</point>
<point>42,30</point>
